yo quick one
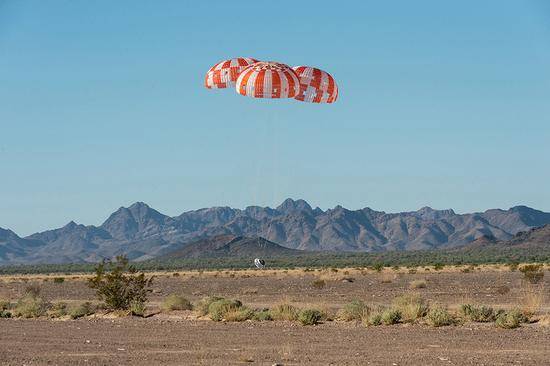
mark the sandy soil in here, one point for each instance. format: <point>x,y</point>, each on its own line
<point>176,339</point>
<point>151,342</point>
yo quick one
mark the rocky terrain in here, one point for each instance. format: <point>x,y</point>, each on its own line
<point>141,232</point>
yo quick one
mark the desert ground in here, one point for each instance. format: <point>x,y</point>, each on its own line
<point>181,337</point>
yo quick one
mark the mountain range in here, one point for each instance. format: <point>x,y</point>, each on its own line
<point>142,232</point>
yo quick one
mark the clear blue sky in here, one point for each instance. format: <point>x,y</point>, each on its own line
<point>102,104</point>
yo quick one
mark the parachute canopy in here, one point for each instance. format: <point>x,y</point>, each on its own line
<point>268,80</point>
<point>273,80</point>
<point>260,263</point>
<point>316,86</point>
<point>225,73</point>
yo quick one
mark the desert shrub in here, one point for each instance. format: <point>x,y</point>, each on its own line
<point>391,316</point>
<point>57,310</point>
<point>411,307</point>
<point>513,266</point>
<point>5,314</point>
<point>239,314</point>
<point>532,273</point>
<point>137,308</point>
<point>318,284</point>
<point>30,306</point>
<point>262,315</point>
<point>354,310</point>
<point>309,316</point>
<point>32,290</point>
<point>176,302</point>
<point>175,274</point>
<point>204,304</point>
<point>378,267</point>
<point>84,309</point>
<point>439,316</point>
<point>59,280</point>
<point>439,266</point>
<point>481,314</point>
<point>416,284</point>
<point>219,308</point>
<point>284,311</point>
<point>119,285</point>
<point>374,319</point>
<point>412,271</point>
<point>532,299</point>
<point>510,319</point>
<point>4,305</point>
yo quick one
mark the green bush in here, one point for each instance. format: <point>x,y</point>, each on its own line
<point>5,314</point>
<point>411,307</point>
<point>354,310</point>
<point>374,319</point>
<point>309,316</point>
<point>119,285</point>
<point>81,310</point>
<point>510,319</point>
<point>262,315</point>
<point>176,302</point>
<point>439,266</point>
<point>57,310</point>
<point>391,316</point>
<point>137,308</point>
<point>284,312</point>
<point>439,316</point>
<point>204,304</point>
<point>218,309</point>
<point>30,306</point>
<point>59,280</point>
<point>482,314</point>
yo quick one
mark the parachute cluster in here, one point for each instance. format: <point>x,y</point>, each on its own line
<point>268,79</point>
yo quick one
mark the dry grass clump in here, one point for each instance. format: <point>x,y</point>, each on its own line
<point>30,305</point>
<point>239,314</point>
<point>176,302</point>
<point>262,315</point>
<point>417,284</point>
<point>390,316</point>
<point>439,316</point>
<point>532,300</point>
<point>387,278</point>
<point>354,310</point>
<point>411,307</point>
<point>284,311</point>
<point>544,320</point>
<point>4,309</point>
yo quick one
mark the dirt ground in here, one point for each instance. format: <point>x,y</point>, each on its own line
<point>176,339</point>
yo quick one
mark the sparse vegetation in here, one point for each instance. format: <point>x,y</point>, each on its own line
<point>532,273</point>
<point>30,306</point>
<point>439,316</point>
<point>390,316</point>
<point>510,319</point>
<point>176,302</point>
<point>418,284</point>
<point>411,307</point>
<point>59,280</point>
<point>218,309</point>
<point>354,310</point>
<point>57,310</point>
<point>309,316</point>
<point>81,310</point>
<point>481,314</point>
<point>119,285</point>
<point>284,311</point>
<point>204,304</point>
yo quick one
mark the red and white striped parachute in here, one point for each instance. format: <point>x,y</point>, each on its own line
<point>268,80</point>
<point>225,73</point>
<point>260,79</point>
<point>316,86</point>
